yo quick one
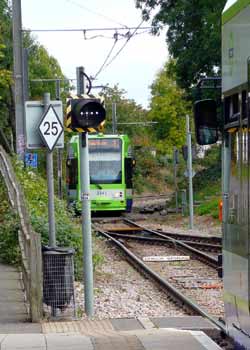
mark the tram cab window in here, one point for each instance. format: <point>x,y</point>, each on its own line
<point>105,161</point>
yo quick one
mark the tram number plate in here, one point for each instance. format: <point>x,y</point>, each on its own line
<point>166,258</point>
<point>102,193</point>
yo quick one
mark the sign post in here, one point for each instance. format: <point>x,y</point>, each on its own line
<point>85,114</point>
<point>190,174</point>
<point>176,161</point>
<point>50,129</point>
<point>86,210</point>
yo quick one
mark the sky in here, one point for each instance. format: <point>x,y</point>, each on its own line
<point>134,69</point>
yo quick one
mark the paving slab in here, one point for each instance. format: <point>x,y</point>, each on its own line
<point>172,340</point>
<point>155,339</point>
<point>11,295</point>
<point>7,268</point>
<point>12,307</point>
<point>183,322</point>
<point>117,342</point>
<point>20,328</point>
<point>126,324</point>
<point>70,342</point>
<point>24,342</point>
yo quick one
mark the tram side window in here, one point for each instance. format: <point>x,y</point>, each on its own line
<point>128,172</point>
<point>231,108</point>
<point>72,177</point>
<point>244,104</point>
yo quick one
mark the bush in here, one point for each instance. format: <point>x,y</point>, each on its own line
<point>68,231</point>
<point>209,208</point>
<point>9,247</point>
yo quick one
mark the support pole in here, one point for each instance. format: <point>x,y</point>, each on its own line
<point>190,174</point>
<point>175,179</point>
<point>26,74</point>
<point>86,210</point>
<point>18,77</point>
<point>50,182</point>
<point>59,151</point>
<point>114,118</point>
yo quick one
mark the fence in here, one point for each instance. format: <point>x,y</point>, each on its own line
<point>29,241</point>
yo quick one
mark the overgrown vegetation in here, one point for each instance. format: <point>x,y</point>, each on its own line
<point>207,183</point>
<point>68,231</point>
<point>9,248</point>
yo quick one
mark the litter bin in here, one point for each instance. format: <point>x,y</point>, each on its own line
<point>58,277</point>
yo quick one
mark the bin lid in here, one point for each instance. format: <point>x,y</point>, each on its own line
<point>57,250</point>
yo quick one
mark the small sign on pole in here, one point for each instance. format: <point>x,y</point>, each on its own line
<point>31,160</point>
<point>50,128</point>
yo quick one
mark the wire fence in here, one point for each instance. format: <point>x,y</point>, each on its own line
<point>58,282</point>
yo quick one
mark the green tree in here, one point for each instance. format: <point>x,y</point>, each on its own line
<point>193,35</point>
<point>168,107</point>
<point>6,98</point>
<point>41,65</point>
<point>127,110</point>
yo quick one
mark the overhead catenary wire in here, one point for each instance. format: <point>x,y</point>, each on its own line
<point>96,29</point>
<point>129,36</point>
<point>106,59</point>
<point>95,12</point>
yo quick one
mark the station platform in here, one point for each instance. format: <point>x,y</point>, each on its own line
<point>170,333</point>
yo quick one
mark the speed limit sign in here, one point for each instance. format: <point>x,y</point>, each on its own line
<point>50,128</point>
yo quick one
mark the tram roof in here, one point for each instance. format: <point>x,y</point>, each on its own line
<point>232,8</point>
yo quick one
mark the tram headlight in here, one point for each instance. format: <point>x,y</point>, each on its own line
<point>118,195</point>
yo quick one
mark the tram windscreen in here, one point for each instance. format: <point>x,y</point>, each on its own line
<point>105,161</point>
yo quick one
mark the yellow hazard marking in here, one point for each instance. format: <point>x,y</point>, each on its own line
<point>68,121</point>
<point>231,130</point>
<point>79,130</point>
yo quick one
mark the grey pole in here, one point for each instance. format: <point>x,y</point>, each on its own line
<point>175,180</point>
<point>26,74</point>
<point>18,76</point>
<point>86,211</point>
<point>59,151</point>
<point>190,174</point>
<point>50,182</point>
<point>114,120</point>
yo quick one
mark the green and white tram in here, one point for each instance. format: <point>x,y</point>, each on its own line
<point>111,168</point>
<point>236,165</point>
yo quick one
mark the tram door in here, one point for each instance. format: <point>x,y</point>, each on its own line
<point>236,235</point>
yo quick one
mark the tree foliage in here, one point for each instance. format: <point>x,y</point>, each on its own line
<point>193,35</point>
<point>41,66</point>
<point>168,107</point>
<point>6,99</point>
<point>127,111</point>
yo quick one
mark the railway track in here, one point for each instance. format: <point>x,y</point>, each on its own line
<point>172,291</point>
<point>129,230</point>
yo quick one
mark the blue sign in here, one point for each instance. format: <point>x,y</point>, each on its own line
<point>31,160</point>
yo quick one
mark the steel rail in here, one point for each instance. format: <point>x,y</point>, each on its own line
<point>192,238</point>
<point>177,295</point>
<point>212,261</point>
<point>162,240</point>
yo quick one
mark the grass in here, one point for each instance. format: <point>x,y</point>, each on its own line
<point>209,197</point>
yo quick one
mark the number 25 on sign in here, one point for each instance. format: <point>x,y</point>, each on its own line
<point>50,128</point>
